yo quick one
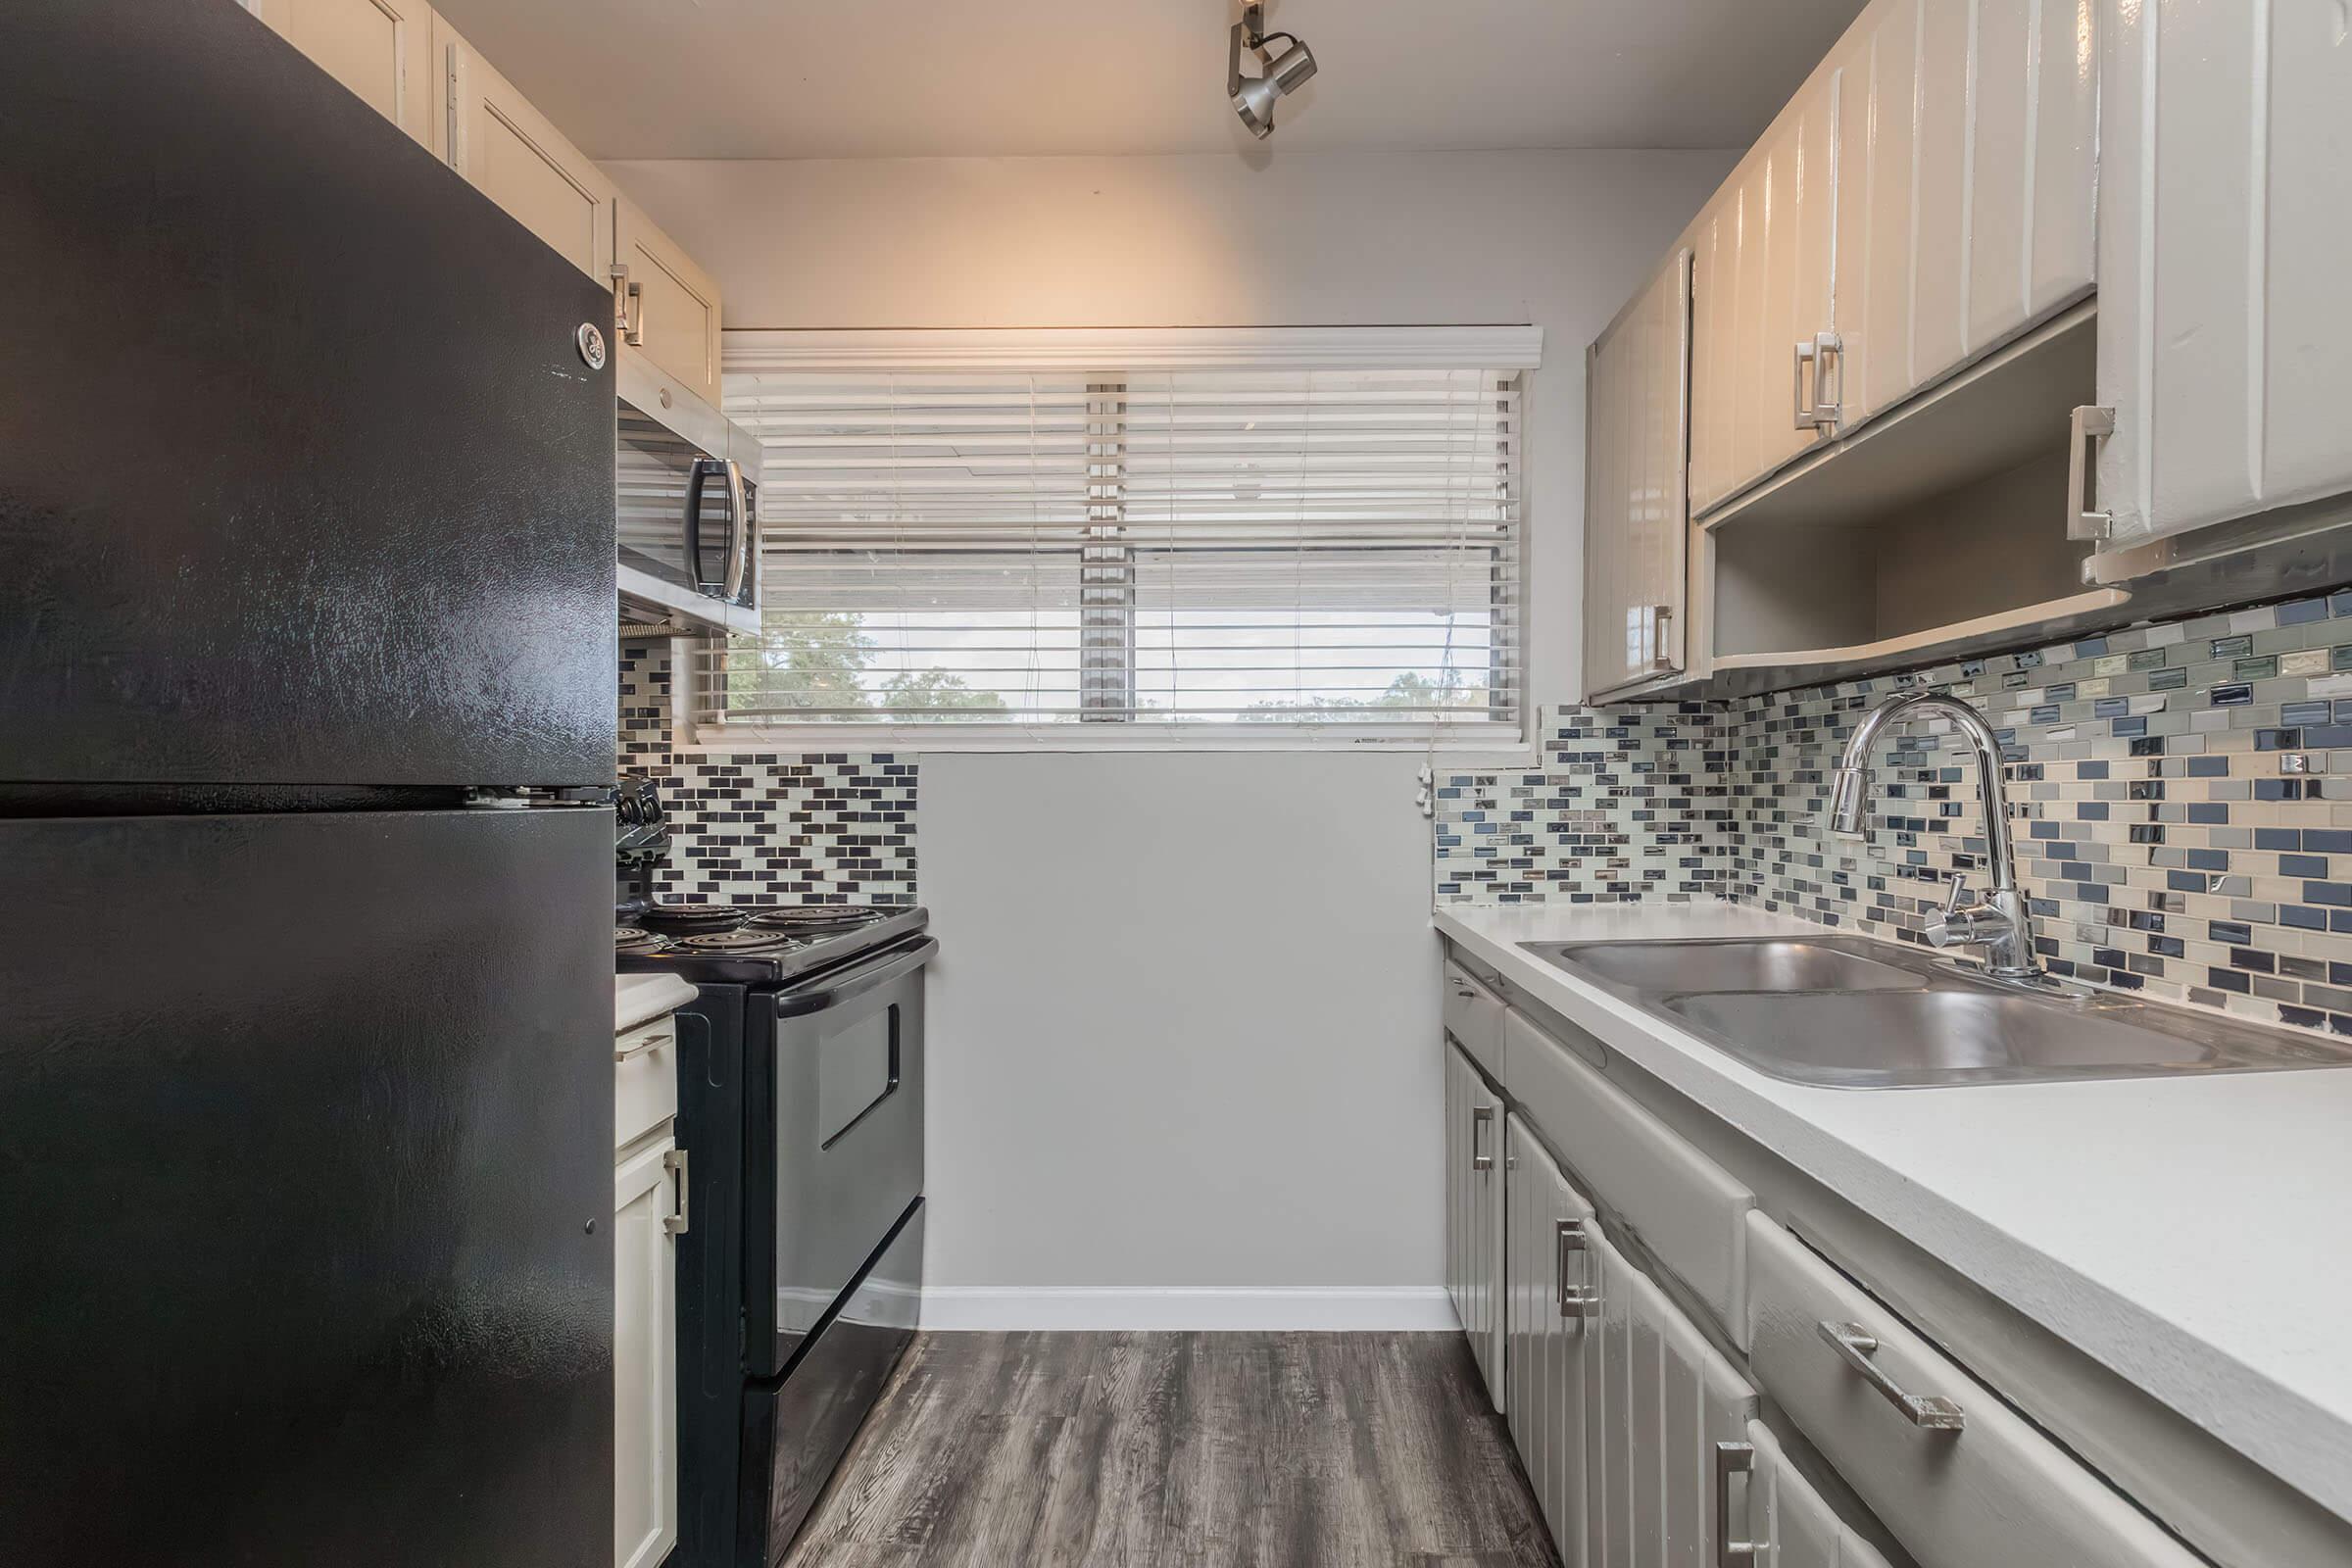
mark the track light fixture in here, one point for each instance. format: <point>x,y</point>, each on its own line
<point>1253,97</point>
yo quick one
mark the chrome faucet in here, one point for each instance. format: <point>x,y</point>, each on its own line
<point>1998,922</point>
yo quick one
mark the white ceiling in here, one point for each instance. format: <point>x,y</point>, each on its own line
<point>878,78</point>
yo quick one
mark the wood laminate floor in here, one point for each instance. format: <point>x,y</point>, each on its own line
<point>1134,1451</point>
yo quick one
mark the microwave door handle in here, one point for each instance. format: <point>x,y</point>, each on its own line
<point>742,535</point>
<point>695,474</point>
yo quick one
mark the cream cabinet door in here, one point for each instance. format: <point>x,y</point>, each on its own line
<point>1772,1509</point>
<point>1474,1193</point>
<point>1658,1399</point>
<point>1637,513</point>
<point>512,153</point>
<point>1967,161</point>
<point>2224,217</point>
<point>645,1318</point>
<point>672,305</point>
<point>1547,1275</point>
<point>380,49</point>
<point>1762,303</point>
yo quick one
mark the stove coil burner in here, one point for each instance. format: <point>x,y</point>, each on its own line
<point>813,918</point>
<point>741,940</point>
<point>636,942</point>
<point>683,920</point>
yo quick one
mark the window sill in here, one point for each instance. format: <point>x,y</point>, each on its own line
<point>1457,753</point>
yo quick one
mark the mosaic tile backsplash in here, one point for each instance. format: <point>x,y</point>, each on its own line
<point>2182,795</point>
<point>760,827</point>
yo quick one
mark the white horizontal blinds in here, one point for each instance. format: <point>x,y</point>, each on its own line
<point>1163,547</point>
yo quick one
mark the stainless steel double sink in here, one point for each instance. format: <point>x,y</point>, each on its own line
<point>1851,1012</point>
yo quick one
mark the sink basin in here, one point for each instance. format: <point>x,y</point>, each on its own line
<point>1850,1012</point>
<point>1663,968</point>
<point>1972,1033</point>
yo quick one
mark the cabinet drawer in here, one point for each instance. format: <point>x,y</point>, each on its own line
<point>645,1079</point>
<point>1474,1017</point>
<point>1686,1208</point>
<point>1994,1491</point>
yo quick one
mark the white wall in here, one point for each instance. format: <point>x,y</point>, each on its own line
<point>1183,1032</point>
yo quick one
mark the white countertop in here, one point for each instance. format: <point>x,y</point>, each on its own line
<point>2193,1233</point>
<point>639,996</point>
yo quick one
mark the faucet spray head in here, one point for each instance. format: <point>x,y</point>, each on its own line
<point>1849,792</point>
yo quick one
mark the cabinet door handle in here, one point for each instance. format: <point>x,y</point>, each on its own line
<point>679,1223</point>
<point>1580,1300</point>
<point>1829,381</point>
<point>652,1042</point>
<point>1856,1345</point>
<point>1804,396</point>
<point>1659,661</point>
<point>628,307</point>
<point>1481,1118</point>
<point>1730,1459</point>
<point>2087,423</point>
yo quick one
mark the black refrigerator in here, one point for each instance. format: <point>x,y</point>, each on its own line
<point>306,569</point>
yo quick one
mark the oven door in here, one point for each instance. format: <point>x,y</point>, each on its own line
<point>688,525</point>
<point>836,1147</point>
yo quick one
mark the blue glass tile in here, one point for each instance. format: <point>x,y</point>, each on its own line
<point>2145,660</point>
<point>2253,958</point>
<point>2208,766</point>
<point>2339,974</point>
<point>2301,1017</point>
<point>2232,646</point>
<point>2300,713</point>
<point>2107,958</point>
<point>2090,810</point>
<point>2337,895</point>
<point>2339,921</point>
<point>2165,681</point>
<point>2029,659</point>
<point>2320,737</point>
<point>2144,919</point>
<point>2302,865</point>
<point>2340,657</point>
<point>2229,696</point>
<point>2045,714</point>
<point>2277,788</point>
<point>2090,648</point>
<point>2230,933</point>
<point>2342,712</point>
<point>2062,692</point>
<point>2327,840</point>
<point>2167,946</point>
<point>2129,728</point>
<point>2302,918</point>
<point>2211,813</point>
<point>2277,837</point>
<point>2339,603</point>
<point>2183,882</point>
<point>2044,830</point>
<point>2147,833</point>
<point>2278,739</point>
<point>2261,669</point>
<point>2230,980</point>
<point>2301,611</point>
<point>2208,859</point>
<point>2090,771</point>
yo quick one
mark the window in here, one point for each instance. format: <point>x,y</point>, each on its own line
<point>1104,537</point>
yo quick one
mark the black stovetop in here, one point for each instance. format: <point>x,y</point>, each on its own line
<point>757,945</point>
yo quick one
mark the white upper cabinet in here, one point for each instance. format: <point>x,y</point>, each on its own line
<point>1924,198</point>
<point>1761,301</point>
<point>1636,517</point>
<point>380,49</point>
<point>2224,217</point>
<point>513,154</point>
<point>669,306</point>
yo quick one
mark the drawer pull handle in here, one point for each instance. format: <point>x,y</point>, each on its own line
<point>1576,1300</point>
<point>1856,1345</point>
<point>1481,1118</point>
<point>1731,1459</point>
<point>652,1042</point>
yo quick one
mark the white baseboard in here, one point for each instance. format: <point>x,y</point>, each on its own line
<point>1327,1309</point>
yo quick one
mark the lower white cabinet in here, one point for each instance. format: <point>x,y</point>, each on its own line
<point>1474,1190</point>
<point>1618,1405</point>
<point>645,1355</point>
<point>1777,1514</point>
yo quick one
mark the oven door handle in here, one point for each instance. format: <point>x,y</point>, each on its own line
<point>858,982</point>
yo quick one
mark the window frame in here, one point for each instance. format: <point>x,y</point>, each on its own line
<point>1510,349</point>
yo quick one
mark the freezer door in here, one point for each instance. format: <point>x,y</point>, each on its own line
<point>307,481</point>
<point>306,1165</point>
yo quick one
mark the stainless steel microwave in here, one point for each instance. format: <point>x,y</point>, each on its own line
<point>687,493</point>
